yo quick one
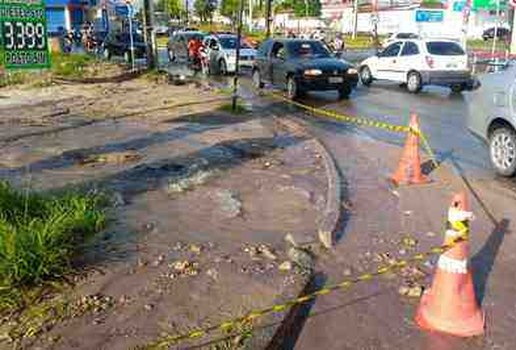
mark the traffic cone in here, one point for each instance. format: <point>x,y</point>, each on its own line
<point>409,169</point>
<point>450,305</point>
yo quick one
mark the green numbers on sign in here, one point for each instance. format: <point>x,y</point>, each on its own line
<point>23,34</point>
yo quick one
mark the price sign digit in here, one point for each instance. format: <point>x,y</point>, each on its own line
<point>30,33</point>
<point>20,36</point>
<point>41,35</point>
<point>9,35</point>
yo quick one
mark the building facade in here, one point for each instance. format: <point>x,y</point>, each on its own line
<point>69,14</point>
<point>427,17</point>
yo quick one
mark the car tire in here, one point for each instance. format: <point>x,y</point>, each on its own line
<point>257,79</point>
<point>292,89</point>
<point>345,91</point>
<point>414,82</point>
<point>365,76</point>
<point>457,88</point>
<point>502,151</point>
<point>223,67</point>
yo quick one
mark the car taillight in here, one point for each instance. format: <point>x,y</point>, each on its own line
<point>429,61</point>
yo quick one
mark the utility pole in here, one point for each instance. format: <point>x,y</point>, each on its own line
<point>268,9</point>
<point>187,13</point>
<point>237,61</point>
<point>355,19</point>
<point>148,32</point>
<point>513,32</point>
<point>465,22</point>
<point>495,38</point>
<point>250,4</point>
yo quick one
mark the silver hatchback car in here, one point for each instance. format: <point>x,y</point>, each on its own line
<point>492,116</point>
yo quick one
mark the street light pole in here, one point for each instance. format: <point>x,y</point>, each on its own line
<point>237,61</point>
<point>355,19</point>
<point>268,10</point>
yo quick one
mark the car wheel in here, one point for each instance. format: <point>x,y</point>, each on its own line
<point>502,149</point>
<point>414,82</point>
<point>345,91</point>
<point>106,53</point>
<point>257,79</point>
<point>223,68</point>
<point>365,76</point>
<point>292,88</point>
<point>171,55</point>
<point>457,88</point>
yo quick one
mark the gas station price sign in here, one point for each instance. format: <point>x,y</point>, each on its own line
<point>23,34</point>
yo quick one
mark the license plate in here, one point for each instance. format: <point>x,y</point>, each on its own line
<point>336,80</point>
<point>451,65</point>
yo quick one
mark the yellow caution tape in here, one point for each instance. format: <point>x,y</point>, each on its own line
<point>364,122</point>
<point>231,325</point>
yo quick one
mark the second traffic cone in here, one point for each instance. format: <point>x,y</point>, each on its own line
<point>450,305</point>
<point>409,169</point>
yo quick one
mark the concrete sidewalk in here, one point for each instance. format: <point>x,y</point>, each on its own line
<point>380,223</point>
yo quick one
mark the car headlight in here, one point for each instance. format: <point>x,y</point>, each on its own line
<point>312,72</point>
<point>352,71</point>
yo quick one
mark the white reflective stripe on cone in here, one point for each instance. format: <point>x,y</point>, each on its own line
<point>452,265</point>
<point>459,215</point>
<point>453,233</point>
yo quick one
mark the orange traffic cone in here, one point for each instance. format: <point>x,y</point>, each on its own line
<point>450,305</point>
<point>409,169</point>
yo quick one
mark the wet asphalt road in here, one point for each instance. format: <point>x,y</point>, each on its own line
<point>443,118</point>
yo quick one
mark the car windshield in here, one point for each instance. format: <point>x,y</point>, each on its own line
<point>406,36</point>
<point>308,49</point>
<point>231,42</point>
<point>444,48</point>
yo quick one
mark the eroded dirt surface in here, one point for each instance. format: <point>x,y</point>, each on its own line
<point>202,202</point>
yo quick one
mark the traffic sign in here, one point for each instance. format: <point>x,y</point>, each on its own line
<point>23,34</point>
<point>429,16</point>
<point>125,11</point>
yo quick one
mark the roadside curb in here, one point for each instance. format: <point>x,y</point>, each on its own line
<point>329,223</point>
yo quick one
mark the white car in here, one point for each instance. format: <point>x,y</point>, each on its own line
<point>417,63</point>
<point>221,52</point>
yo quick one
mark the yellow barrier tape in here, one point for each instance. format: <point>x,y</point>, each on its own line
<point>230,325</point>
<point>364,122</point>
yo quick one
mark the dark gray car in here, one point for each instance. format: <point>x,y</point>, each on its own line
<point>302,65</point>
<point>492,116</point>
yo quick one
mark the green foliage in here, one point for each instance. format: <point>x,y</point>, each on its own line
<point>39,236</point>
<point>240,108</point>
<point>229,8</point>
<point>303,8</point>
<point>204,9</point>
<point>70,65</point>
<point>174,8</point>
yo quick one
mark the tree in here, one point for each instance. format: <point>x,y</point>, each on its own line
<point>174,8</point>
<point>229,8</point>
<point>204,9</point>
<point>303,8</point>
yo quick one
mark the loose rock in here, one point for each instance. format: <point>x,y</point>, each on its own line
<point>285,266</point>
